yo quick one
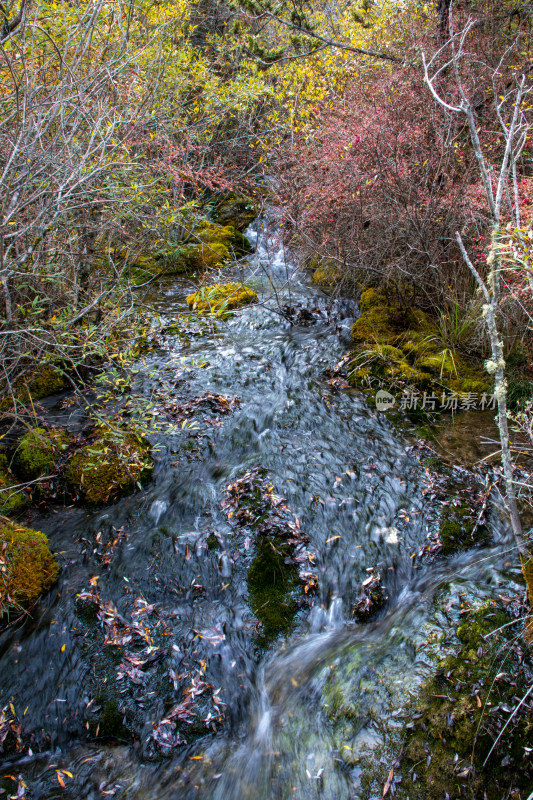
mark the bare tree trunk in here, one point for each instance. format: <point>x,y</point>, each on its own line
<point>443,10</point>
<point>4,279</point>
<point>513,133</point>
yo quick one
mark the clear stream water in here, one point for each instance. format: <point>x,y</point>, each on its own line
<point>362,497</point>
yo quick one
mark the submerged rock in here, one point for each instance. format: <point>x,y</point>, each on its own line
<point>111,465</point>
<point>221,297</point>
<point>28,566</point>
<point>372,598</point>
<point>280,567</point>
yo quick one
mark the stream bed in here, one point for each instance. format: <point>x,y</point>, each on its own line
<point>177,690</point>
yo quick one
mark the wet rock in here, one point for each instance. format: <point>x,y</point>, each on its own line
<point>343,309</point>
<point>305,314</point>
<point>372,598</point>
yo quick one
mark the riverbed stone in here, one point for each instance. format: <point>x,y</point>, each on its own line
<point>37,452</point>
<point>12,498</point>
<point>221,297</point>
<point>28,566</point>
<point>109,466</point>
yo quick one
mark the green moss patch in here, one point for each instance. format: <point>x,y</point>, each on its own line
<point>209,246</point>
<point>221,297</point>
<point>37,452</point>
<point>50,380</point>
<point>326,273</point>
<point>279,569</point>
<point>236,210</point>
<point>11,499</point>
<point>47,381</point>
<point>110,466</point>
<point>462,710</point>
<point>272,583</point>
<point>459,529</point>
<point>401,349</point>
<point>27,567</point>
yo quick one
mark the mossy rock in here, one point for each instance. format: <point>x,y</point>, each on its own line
<point>401,348</point>
<point>221,297</point>
<point>327,274</point>
<point>11,499</point>
<point>237,210</point>
<point>460,713</point>
<point>272,582</point>
<point>457,532</point>
<point>199,257</point>
<point>28,566</point>
<point>371,297</point>
<point>380,321</point>
<point>37,452</point>
<point>110,466</point>
<point>48,381</point>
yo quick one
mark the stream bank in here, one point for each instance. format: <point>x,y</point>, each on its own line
<point>153,667</point>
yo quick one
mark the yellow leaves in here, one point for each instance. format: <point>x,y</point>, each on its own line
<point>60,773</point>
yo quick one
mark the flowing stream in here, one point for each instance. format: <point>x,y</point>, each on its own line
<point>316,713</point>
